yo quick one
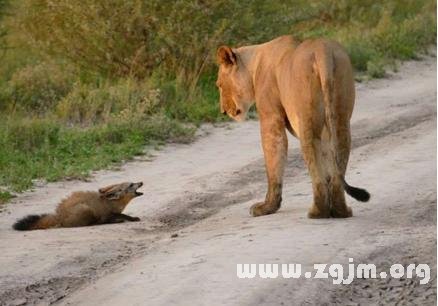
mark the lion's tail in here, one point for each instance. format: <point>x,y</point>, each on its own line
<point>359,194</point>
<point>34,222</point>
<point>325,62</point>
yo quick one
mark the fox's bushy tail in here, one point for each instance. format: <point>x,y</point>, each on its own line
<point>34,222</point>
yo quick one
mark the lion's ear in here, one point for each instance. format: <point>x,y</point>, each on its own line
<point>226,56</point>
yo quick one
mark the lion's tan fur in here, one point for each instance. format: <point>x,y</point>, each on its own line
<point>305,87</point>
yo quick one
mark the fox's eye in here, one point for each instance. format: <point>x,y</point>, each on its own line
<point>131,185</point>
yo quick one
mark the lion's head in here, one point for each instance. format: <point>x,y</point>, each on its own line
<point>234,83</point>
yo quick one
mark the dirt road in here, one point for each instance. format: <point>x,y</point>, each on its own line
<point>195,224</point>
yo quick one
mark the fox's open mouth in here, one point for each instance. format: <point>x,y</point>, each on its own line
<point>137,193</point>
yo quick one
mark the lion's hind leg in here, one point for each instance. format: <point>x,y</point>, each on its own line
<point>313,152</point>
<point>328,190</point>
<point>339,208</point>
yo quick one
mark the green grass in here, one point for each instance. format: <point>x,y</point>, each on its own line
<point>42,148</point>
<point>5,196</point>
<point>197,107</point>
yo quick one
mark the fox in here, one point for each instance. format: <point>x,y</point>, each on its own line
<point>84,208</point>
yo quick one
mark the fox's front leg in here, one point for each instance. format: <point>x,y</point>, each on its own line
<point>119,218</point>
<point>274,141</point>
<point>129,218</point>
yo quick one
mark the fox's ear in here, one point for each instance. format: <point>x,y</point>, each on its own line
<point>226,56</point>
<point>110,192</point>
<point>111,195</point>
<point>106,189</point>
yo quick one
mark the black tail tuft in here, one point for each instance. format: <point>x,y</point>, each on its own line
<point>26,223</point>
<point>357,193</point>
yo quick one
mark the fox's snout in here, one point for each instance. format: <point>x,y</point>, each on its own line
<point>133,188</point>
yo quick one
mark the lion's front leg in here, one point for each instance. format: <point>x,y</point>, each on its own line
<point>274,141</point>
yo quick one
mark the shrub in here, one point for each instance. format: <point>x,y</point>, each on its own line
<point>124,100</point>
<point>31,134</point>
<point>396,30</point>
<point>401,40</point>
<point>376,68</point>
<point>134,37</point>
<point>361,53</point>
<point>38,87</point>
<point>3,6</point>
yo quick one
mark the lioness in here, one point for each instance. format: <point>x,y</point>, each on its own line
<point>308,89</point>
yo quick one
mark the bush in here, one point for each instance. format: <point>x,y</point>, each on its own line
<point>134,37</point>
<point>201,105</point>
<point>376,68</point>
<point>32,134</point>
<point>361,53</point>
<point>177,39</point>
<point>110,38</point>
<point>403,40</point>
<point>396,30</point>
<point>3,6</point>
<point>126,99</point>
<point>38,87</point>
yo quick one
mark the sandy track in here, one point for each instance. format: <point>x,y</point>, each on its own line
<point>203,192</point>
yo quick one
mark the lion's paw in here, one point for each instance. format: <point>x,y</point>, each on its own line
<point>262,208</point>
<point>346,212</point>
<point>316,213</point>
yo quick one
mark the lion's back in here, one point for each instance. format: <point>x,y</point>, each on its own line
<point>309,50</point>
